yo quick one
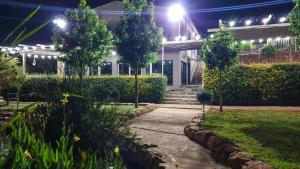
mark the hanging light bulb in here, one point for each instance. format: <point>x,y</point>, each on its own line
<point>34,62</point>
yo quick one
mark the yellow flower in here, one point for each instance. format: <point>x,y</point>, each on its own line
<point>83,155</point>
<point>66,95</point>
<point>76,138</point>
<point>117,150</point>
<point>27,154</point>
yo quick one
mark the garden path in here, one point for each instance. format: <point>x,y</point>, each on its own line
<point>164,127</point>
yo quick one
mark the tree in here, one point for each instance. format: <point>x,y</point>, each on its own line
<point>139,39</point>
<point>85,41</point>
<point>11,74</point>
<point>220,52</point>
<point>294,19</point>
<point>204,98</point>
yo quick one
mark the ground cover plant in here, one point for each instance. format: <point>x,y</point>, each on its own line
<point>271,136</point>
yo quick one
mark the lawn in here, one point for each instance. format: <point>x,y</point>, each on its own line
<point>125,109</point>
<point>271,136</point>
<point>13,105</point>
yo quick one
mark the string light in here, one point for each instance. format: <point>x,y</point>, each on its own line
<point>49,57</point>
<point>231,23</point>
<point>248,22</point>
<point>282,19</point>
<point>267,20</point>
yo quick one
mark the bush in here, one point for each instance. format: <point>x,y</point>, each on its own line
<point>258,84</point>
<point>104,88</point>
<point>205,97</point>
<point>269,50</point>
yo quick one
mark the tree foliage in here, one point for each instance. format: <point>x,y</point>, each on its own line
<point>220,52</point>
<point>11,74</point>
<point>294,19</point>
<point>86,39</point>
<point>139,39</point>
<point>269,50</point>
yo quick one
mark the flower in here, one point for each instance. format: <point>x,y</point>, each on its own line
<point>76,138</point>
<point>65,99</point>
<point>117,150</point>
<point>27,154</point>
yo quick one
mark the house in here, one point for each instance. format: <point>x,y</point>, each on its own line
<point>180,55</point>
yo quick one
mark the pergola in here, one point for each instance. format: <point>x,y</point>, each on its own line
<point>32,51</point>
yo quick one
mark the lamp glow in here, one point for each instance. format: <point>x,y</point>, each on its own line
<point>260,40</point>
<point>176,12</point>
<point>164,40</point>
<point>267,20</point>
<point>282,19</point>
<point>231,23</point>
<point>177,38</point>
<point>184,38</point>
<point>198,37</point>
<point>248,22</point>
<point>61,23</point>
<point>114,53</point>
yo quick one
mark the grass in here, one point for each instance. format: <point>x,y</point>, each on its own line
<point>125,109</point>
<point>13,105</point>
<point>271,136</point>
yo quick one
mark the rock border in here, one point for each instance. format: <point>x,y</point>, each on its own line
<point>222,150</point>
<point>148,108</point>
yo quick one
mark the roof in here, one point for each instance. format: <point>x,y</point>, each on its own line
<point>258,31</point>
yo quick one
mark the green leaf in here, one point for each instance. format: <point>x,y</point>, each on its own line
<point>26,36</point>
<point>22,23</point>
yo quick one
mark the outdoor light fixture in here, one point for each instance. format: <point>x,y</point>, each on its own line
<point>212,36</point>
<point>231,23</point>
<point>244,42</point>
<point>198,37</point>
<point>55,57</point>
<point>29,55</point>
<point>177,38</point>
<point>43,57</point>
<point>114,53</point>
<point>176,12</point>
<point>164,40</point>
<point>252,41</point>
<point>282,19</point>
<point>269,39</point>
<point>61,23</point>
<point>260,40</point>
<point>184,38</point>
<point>278,39</point>
<point>267,20</point>
<point>49,57</point>
<point>287,38</point>
<point>248,22</point>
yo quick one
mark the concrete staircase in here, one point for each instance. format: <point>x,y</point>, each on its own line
<point>184,95</point>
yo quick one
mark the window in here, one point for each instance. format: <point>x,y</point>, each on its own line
<point>106,69</point>
<point>123,69</point>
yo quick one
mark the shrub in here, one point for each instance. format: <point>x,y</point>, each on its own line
<point>269,50</point>
<point>104,88</point>
<point>205,97</point>
<point>257,84</point>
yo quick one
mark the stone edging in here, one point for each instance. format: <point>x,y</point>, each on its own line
<point>148,108</point>
<point>222,150</point>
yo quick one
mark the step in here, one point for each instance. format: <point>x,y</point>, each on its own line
<point>192,86</point>
<point>181,93</point>
<point>180,99</point>
<point>181,96</point>
<point>176,102</point>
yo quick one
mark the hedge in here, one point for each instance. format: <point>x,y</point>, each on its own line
<point>257,84</point>
<point>117,88</point>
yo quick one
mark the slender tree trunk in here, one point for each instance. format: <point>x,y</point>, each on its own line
<point>220,91</point>
<point>203,116</point>
<point>136,88</point>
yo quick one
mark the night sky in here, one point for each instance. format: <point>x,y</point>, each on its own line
<point>13,11</point>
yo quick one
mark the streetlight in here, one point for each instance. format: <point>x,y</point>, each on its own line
<point>61,23</point>
<point>267,20</point>
<point>176,12</point>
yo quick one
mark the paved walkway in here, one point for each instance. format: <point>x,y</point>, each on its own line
<point>164,127</point>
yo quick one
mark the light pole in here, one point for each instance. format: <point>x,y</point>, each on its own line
<point>164,40</point>
<point>176,13</point>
